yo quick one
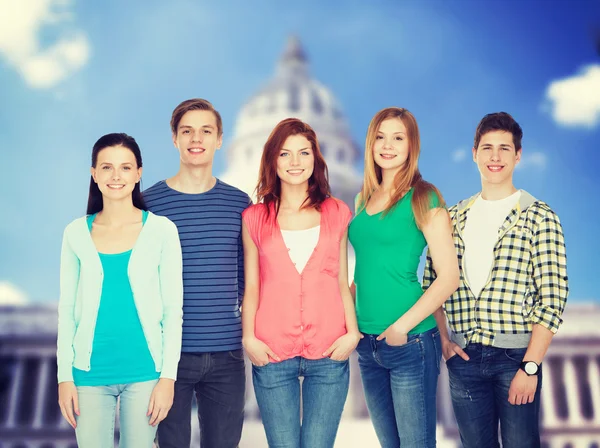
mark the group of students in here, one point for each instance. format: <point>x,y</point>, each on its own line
<point>163,291</point>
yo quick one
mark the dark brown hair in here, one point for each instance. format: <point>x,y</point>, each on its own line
<point>268,189</point>
<point>499,121</point>
<point>194,104</point>
<point>95,201</point>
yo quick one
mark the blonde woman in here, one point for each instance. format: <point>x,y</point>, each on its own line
<point>397,215</point>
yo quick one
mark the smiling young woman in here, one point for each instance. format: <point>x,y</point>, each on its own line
<point>120,306</point>
<point>398,214</point>
<point>295,257</point>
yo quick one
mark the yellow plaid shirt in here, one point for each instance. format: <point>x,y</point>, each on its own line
<point>528,282</point>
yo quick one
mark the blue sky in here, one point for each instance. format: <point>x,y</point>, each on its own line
<point>73,71</point>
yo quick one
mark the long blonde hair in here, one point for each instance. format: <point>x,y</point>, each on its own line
<point>407,177</point>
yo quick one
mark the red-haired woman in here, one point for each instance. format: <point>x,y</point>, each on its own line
<point>398,214</point>
<point>298,316</point>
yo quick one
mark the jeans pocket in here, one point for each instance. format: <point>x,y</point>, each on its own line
<point>408,344</point>
<point>451,359</point>
<point>254,366</point>
<point>515,354</point>
<point>238,354</point>
<point>338,362</point>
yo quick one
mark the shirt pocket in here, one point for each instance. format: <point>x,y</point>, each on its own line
<point>330,265</point>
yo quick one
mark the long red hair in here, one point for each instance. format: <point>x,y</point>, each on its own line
<point>268,190</point>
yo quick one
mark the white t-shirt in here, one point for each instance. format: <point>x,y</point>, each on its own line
<point>301,244</point>
<point>484,220</point>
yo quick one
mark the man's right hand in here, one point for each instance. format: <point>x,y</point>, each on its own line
<point>450,349</point>
<point>68,402</point>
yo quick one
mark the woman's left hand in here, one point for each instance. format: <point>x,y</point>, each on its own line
<point>161,400</point>
<point>341,349</point>
<point>394,336</point>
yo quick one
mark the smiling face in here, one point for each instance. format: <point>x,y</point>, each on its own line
<point>116,172</point>
<point>296,160</point>
<point>197,137</point>
<point>496,157</point>
<point>390,150</point>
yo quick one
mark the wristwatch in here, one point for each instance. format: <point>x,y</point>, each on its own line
<point>530,368</point>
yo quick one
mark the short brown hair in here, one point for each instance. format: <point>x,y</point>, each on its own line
<point>499,121</point>
<point>194,104</point>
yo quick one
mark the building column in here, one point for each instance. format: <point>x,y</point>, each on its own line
<point>15,394</point>
<point>594,380</point>
<point>575,418</point>
<point>42,387</point>
<point>548,403</point>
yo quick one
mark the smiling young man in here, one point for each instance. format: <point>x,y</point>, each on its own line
<point>207,213</point>
<point>512,293</point>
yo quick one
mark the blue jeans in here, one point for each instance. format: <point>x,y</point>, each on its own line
<point>97,407</point>
<point>479,389</point>
<point>219,381</point>
<point>400,384</point>
<point>324,391</point>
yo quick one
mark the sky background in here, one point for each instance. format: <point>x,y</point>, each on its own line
<point>71,71</point>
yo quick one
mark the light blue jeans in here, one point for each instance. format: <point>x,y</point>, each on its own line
<point>324,391</point>
<point>97,407</point>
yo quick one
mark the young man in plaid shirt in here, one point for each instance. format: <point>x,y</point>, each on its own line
<point>511,297</point>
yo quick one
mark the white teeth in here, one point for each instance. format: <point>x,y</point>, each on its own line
<point>116,186</point>
<point>195,150</point>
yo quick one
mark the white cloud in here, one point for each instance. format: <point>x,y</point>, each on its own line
<point>537,160</point>
<point>41,64</point>
<point>459,155</point>
<point>10,294</point>
<point>575,101</point>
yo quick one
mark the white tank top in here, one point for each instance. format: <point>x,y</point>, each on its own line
<point>301,244</point>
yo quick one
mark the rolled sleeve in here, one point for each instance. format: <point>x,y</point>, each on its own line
<point>549,260</point>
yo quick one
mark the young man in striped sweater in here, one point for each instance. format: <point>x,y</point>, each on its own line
<point>512,293</point>
<point>207,213</point>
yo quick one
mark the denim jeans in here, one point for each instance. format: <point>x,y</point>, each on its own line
<point>324,391</point>
<point>219,381</point>
<point>479,389</point>
<point>400,384</point>
<point>97,407</point>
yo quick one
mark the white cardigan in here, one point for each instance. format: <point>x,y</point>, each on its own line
<point>155,274</point>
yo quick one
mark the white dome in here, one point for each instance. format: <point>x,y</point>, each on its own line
<point>293,93</point>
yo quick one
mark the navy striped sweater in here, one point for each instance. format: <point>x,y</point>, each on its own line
<point>209,227</point>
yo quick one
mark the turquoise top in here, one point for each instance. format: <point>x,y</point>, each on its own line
<point>120,353</point>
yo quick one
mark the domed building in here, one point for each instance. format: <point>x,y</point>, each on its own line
<point>293,93</point>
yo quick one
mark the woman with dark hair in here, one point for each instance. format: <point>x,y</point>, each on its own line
<point>120,307</point>
<point>298,316</point>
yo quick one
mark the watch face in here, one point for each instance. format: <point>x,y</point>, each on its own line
<point>531,368</point>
